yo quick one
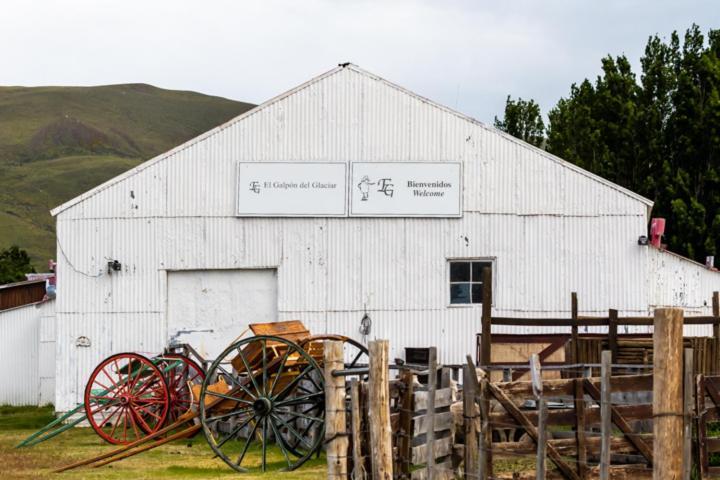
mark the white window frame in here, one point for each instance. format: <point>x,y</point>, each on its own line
<point>493,267</point>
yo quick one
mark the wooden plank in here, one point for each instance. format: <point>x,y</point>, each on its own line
<point>485,440</point>
<point>688,408</point>
<point>443,471</point>
<point>621,423</point>
<point>471,434</point>
<point>486,331</point>
<point>443,398</point>
<point>716,332</point>
<point>564,387</point>
<point>667,393</point>
<point>443,421</point>
<point>574,330</point>
<point>379,411</point>
<point>580,427</point>
<point>336,442</point>
<point>430,415</point>
<point>358,470</point>
<point>703,457</point>
<point>567,416</point>
<point>542,440</point>
<point>612,334</point>
<point>407,377</point>
<point>507,403</point>
<point>606,416</point>
<point>420,453</point>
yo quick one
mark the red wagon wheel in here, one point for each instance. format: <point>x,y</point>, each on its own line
<point>126,398</point>
<point>181,373</point>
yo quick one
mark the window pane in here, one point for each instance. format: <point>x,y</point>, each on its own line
<point>460,271</point>
<point>477,292</point>
<point>460,293</point>
<point>477,268</point>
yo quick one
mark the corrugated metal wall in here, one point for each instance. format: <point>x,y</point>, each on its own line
<point>550,227</point>
<point>25,360</point>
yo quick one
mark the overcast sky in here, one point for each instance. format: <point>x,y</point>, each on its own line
<point>468,55</point>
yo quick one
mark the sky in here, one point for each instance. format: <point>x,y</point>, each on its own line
<point>468,55</point>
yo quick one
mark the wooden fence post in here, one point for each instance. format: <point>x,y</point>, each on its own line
<point>358,471</point>
<point>335,434</point>
<point>667,394</point>
<point>574,331</point>
<point>379,411</point>
<point>536,375</point>
<point>605,414</point>
<point>716,331</point>
<point>486,338</point>
<point>469,422</point>
<point>406,414</point>
<point>430,414</point>
<point>612,334</point>
<point>580,427</point>
<point>485,459</point>
<point>688,388</point>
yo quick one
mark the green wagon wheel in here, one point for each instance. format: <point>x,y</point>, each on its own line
<point>250,395</point>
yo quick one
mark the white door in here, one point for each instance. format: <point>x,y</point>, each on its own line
<point>208,309</point>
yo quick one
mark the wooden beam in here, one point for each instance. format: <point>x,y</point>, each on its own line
<point>430,415</point>
<point>703,457</point>
<point>688,407</point>
<point>508,404</point>
<point>716,332</point>
<point>621,423</point>
<point>667,393</point>
<point>406,424</point>
<point>486,333</point>
<point>379,411</point>
<point>336,440</point>
<point>574,330</point>
<point>471,434</point>
<point>358,470</point>
<point>612,334</point>
<point>605,414</point>
<point>580,427</point>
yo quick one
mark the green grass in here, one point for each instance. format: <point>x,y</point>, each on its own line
<point>186,459</point>
<point>58,142</point>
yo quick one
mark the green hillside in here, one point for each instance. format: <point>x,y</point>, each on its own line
<point>58,142</point>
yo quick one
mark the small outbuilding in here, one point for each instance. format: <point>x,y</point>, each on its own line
<point>360,208</point>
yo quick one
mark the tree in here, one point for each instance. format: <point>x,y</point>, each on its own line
<point>523,120</point>
<point>659,137</point>
<point>14,264</point>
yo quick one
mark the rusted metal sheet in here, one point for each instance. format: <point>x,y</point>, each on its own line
<point>21,293</point>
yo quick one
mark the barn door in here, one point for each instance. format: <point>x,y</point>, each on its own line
<point>208,309</point>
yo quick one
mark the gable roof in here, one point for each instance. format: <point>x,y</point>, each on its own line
<point>360,71</point>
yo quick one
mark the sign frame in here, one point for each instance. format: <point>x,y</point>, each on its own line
<point>238,184</point>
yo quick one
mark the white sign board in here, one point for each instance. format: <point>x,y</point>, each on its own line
<point>292,189</point>
<point>404,189</point>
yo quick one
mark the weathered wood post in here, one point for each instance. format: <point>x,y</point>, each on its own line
<point>358,471</point>
<point>537,387</point>
<point>580,427</point>
<point>379,411</point>
<point>612,334</point>
<point>688,388</point>
<point>605,414</point>
<point>430,413</point>
<point>716,331</point>
<point>406,413</point>
<point>335,434</point>
<point>668,394</point>
<point>486,338</point>
<point>574,332</point>
<point>469,421</point>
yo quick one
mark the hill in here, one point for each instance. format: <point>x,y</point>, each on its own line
<point>58,142</point>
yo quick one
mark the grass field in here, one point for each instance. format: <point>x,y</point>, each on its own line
<point>191,459</point>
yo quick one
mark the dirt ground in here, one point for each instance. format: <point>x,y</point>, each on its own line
<point>191,459</point>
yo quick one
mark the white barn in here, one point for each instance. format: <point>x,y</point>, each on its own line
<point>347,196</point>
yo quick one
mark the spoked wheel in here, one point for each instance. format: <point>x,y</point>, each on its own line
<point>126,398</point>
<point>181,373</point>
<point>355,355</point>
<point>250,399</point>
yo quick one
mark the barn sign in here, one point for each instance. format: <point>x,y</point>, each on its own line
<point>369,189</point>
